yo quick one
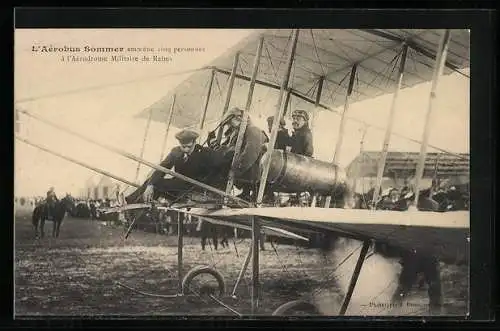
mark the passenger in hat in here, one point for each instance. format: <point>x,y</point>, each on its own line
<point>246,170</point>
<point>189,159</point>
<point>301,141</point>
<point>283,138</point>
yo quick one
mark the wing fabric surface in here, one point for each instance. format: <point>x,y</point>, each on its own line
<point>443,234</point>
<point>320,52</point>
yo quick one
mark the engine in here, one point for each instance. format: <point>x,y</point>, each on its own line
<point>290,172</point>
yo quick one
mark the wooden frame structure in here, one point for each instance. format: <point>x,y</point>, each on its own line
<point>285,92</point>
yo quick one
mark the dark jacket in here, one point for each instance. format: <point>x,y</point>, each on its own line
<point>251,151</point>
<point>199,165</point>
<point>301,142</point>
<point>282,140</point>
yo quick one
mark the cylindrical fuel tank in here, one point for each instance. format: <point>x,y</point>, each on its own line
<point>291,172</point>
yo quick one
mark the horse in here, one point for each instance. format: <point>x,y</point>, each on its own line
<point>41,214</point>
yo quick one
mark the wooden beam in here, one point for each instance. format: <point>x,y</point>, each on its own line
<point>438,71</point>
<point>180,244</point>
<point>137,159</point>
<point>229,92</point>
<point>311,101</point>
<point>146,131</point>
<point>242,271</point>
<point>278,114</point>
<point>169,122</point>
<point>244,122</point>
<point>255,264</point>
<point>207,100</point>
<point>390,124</point>
<point>267,162</point>
<point>354,278</point>
<point>340,134</point>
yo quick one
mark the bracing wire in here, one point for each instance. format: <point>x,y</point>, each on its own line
<point>98,87</point>
<point>317,53</point>
<point>146,131</point>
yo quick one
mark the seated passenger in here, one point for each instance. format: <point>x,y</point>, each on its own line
<point>189,159</point>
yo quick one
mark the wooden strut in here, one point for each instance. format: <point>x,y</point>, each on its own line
<point>207,100</point>
<point>438,71</point>
<point>146,131</point>
<point>340,135</point>
<point>358,163</point>
<point>244,122</point>
<point>137,159</point>
<point>242,271</point>
<point>255,264</point>
<point>388,131</point>
<point>169,122</point>
<point>180,236</point>
<point>318,97</point>
<point>180,244</point>
<point>288,102</point>
<point>355,276</point>
<point>315,118</point>
<point>229,93</point>
<point>309,100</point>
<point>280,107</point>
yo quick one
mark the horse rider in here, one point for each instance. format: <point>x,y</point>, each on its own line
<point>283,138</point>
<point>189,159</point>
<point>301,141</point>
<point>51,201</point>
<point>247,169</point>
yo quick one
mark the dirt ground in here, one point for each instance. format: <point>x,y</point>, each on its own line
<point>76,274</point>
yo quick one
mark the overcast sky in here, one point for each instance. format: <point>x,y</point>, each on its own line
<point>107,114</point>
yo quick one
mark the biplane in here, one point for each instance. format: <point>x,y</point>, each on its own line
<point>290,64</point>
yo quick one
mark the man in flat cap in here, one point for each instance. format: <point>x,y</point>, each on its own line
<point>189,159</point>
<point>247,166</point>
<point>301,141</point>
<point>283,138</point>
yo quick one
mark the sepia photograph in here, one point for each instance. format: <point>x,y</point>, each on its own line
<point>241,172</point>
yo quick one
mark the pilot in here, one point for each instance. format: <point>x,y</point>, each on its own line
<point>189,159</point>
<point>301,141</point>
<point>247,168</point>
<point>283,138</point>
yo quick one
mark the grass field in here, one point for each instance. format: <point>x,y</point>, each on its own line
<point>76,274</point>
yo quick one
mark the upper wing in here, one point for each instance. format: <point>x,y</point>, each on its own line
<point>443,234</point>
<point>329,53</point>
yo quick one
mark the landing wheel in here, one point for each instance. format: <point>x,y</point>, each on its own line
<point>204,281</point>
<point>297,308</point>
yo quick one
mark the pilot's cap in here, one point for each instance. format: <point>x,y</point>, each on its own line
<point>186,136</point>
<point>301,113</point>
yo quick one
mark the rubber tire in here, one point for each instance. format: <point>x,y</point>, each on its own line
<point>204,270</point>
<point>300,304</point>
